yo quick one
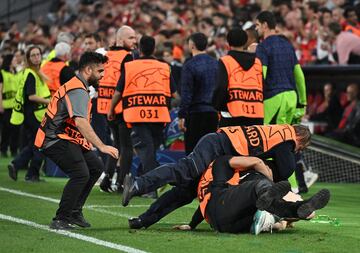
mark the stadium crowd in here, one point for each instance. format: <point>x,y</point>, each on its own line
<point>309,25</point>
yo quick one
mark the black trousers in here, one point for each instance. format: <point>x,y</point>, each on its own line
<point>231,208</point>
<point>197,125</point>
<point>186,170</point>
<point>166,203</point>
<point>122,141</point>
<point>83,168</point>
<point>146,139</point>
<point>9,134</point>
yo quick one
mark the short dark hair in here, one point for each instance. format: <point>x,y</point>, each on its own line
<point>335,28</point>
<point>268,18</point>
<point>7,59</point>
<point>95,36</point>
<point>237,37</point>
<point>147,45</point>
<point>91,58</point>
<point>349,9</point>
<point>314,6</point>
<point>199,40</point>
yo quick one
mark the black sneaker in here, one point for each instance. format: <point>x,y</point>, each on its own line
<point>77,218</point>
<point>318,201</point>
<point>12,171</point>
<point>275,192</point>
<point>129,189</point>
<point>61,225</point>
<point>105,184</point>
<point>135,223</point>
<point>34,179</point>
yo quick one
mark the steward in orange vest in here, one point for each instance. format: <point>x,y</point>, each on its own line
<point>279,142</point>
<point>66,137</point>
<point>146,88</point>
<point>239,92</point>
<point>117,58</point>
<point>54,126</point>
<point>147,92</point>
<point>56,70</point>
<point>231,191</point>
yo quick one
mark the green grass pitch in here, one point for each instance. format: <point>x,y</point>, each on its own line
<point>109,223</point>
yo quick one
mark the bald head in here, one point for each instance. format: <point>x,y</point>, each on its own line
<point>126,37</point>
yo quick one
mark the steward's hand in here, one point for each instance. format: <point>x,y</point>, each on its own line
<point>182,227</point>
<point>110,115</point>
<point>182,125</point>
<point>110,151</point>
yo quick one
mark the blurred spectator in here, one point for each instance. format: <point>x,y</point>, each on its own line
<point>92,42</point>
<point>329,110</point>
<point>347,44</point>
<point>253,39</point>
<point>352,21</point>
<point>309,32</point>
<point>175,65</point>
<point>348,130</point>
<point>323,56</point>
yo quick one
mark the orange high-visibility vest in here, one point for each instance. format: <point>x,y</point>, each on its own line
<point>256,140</point>
<point>107,85</point>
<point>245,89</point>
<point>69,130</point>
<point>203,192</point>
<point>52,72</point>
<point>146,95</point>
<point>355,30</point>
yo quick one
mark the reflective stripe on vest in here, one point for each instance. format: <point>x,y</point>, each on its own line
<point>10,85</point>
<point>256,140</point>
<point>146,95</point>
<point>52,71</point>
<point>41,90</point>
<point>69,130</point>
<point>245,88</point>
<point>108,83</point>
<point>203,192</point>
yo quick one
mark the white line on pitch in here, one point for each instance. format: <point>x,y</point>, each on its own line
<point>73,235</point>
<point>90,207</point>
<point>25,194</point>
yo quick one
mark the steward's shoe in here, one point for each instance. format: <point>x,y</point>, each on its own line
<point>61,225</point>
<point>12,171</point>
<point>135,223</point>
<point>318,201</point>
<point>129,189</point>
<point>105,184</point>
<point>275,192</point>
<point>34,179</point>
<point>77,218</point>
<point>263,222</point>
